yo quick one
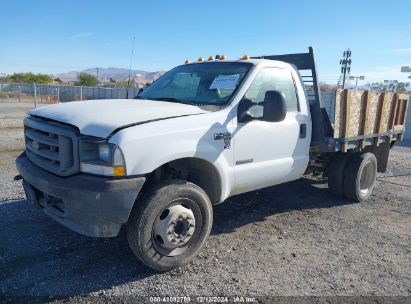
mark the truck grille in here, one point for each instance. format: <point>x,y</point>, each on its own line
<point>51,146</point>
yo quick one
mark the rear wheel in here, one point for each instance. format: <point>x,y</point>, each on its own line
<point>359,176</point>
<point>169,225</point>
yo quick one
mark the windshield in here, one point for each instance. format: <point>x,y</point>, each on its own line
<point>211,83</point>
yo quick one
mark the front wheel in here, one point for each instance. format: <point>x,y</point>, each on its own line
<point>169,225</point>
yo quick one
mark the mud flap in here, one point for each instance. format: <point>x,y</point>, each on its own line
<point>381,152</point>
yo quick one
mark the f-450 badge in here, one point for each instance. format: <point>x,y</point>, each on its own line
<point>226,137</point>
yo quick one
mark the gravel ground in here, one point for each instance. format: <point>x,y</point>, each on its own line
<point>293,239</point>
<point>11,124</point>
<point>16,109</point>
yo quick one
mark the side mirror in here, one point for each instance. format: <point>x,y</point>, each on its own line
<point>243,111</point>
<point>275,108</point>
<point>272,109</point>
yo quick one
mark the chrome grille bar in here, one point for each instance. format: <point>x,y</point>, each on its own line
<point>41,137</point>
<point>52,146</point>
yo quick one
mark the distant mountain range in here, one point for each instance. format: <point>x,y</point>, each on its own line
<point>117,74</point>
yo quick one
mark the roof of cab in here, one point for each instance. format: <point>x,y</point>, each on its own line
<point>253,61</point>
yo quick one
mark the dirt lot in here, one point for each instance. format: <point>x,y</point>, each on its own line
<point>292,239</point>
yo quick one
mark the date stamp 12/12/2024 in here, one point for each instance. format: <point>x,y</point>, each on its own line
<point>203,299</point>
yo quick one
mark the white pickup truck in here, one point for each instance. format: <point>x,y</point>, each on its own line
<point>201,133</point>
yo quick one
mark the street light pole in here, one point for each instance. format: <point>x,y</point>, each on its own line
<point>406,69</point>
<point>356,79</point>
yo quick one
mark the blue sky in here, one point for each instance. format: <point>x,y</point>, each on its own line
<point>61,36</point>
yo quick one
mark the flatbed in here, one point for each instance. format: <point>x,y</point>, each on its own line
<point>346,119</point>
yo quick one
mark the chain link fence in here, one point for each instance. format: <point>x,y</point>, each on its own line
<point>43,93</point>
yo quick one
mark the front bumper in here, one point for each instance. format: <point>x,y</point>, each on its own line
<point>90,205</point>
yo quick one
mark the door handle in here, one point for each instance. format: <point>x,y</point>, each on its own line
<point>303,130</point>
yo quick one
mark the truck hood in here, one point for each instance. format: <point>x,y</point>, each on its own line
<point>101,117</point>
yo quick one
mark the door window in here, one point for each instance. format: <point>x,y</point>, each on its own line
<point>272,79</point>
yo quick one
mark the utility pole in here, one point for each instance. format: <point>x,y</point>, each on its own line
<point>345,64</point>
<point>97,74</point>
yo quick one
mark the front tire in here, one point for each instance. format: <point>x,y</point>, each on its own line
<point>359,176</point>
<point>170,224</point>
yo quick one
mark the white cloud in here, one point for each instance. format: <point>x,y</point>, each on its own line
<point>81,35</point>
<point>400,51</point>
<point>380,73</point>
<point>374,74</point>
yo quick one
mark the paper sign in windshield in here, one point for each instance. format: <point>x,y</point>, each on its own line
<point>224,82</point>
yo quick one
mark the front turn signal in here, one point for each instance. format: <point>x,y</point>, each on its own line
<point>119,171</point>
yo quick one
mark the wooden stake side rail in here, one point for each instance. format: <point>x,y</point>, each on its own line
<point>363,115</point>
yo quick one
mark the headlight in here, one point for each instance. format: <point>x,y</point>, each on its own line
<point>104,152</point>
<point>100,157</point>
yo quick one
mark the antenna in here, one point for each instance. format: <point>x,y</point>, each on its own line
<point>131,62</point>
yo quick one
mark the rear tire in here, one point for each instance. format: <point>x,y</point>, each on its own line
<point>335,173</point>
<point>359,176</point>
<point>170,224</point>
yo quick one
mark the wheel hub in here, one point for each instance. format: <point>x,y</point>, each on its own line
<point>367,178</point>
<point>174,227</point>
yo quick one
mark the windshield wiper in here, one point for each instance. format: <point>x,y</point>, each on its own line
<point>171,99</point>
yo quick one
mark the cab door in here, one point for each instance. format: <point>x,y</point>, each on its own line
<point>269,153</point>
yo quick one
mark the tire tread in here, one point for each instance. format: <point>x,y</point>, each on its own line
<point>140,216</point>
<point>351,176</point>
